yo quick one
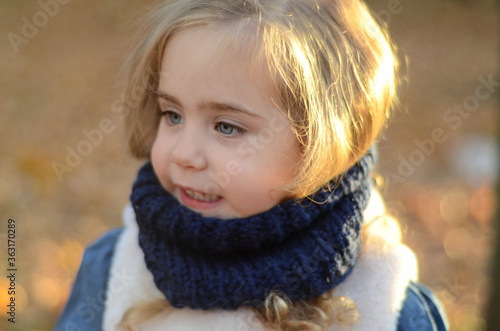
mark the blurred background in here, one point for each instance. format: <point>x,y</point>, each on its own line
<point>59,66</point>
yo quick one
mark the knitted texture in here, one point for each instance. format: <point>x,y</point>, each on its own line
<point>299,248</point>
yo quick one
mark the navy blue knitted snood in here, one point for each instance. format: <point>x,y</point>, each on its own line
<point>298,248</point>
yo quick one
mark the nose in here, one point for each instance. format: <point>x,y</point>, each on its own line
<point>188,151</point>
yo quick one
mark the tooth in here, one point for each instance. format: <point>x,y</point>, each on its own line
<point>201,196</point>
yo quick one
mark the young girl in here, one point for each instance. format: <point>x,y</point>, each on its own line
<point>255,209</point>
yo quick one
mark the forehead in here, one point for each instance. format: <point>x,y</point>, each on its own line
<point>215,48</point>
<point>209,59</point>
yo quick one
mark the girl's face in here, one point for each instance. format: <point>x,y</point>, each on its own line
<point>223,148</point>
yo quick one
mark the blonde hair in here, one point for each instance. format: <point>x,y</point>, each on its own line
<point>333,67</point>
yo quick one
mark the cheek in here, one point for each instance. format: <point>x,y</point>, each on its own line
<point>268,163</point>
<point>159,160</point>
<point>257,180</point>
<point>160,151</point>
<point>288,155</point>
<point>156,155</point>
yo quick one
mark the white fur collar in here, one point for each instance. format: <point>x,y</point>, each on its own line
<point>377,285</point>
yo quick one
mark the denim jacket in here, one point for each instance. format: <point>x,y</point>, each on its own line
<point>84,310</point>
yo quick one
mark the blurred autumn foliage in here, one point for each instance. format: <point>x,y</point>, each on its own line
<point>58,85</point>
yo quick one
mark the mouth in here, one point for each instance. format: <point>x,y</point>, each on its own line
<point>201,196</point>
<point>198,200</point>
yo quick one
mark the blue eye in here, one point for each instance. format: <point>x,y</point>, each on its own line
<point>173,118</point>
<point>226,129</point>
<point>229,130</point>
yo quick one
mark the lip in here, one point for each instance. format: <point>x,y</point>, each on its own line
<point>194,203</point>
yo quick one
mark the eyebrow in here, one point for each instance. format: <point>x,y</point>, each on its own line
<point>168,97</point>
<point>217,106</point>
